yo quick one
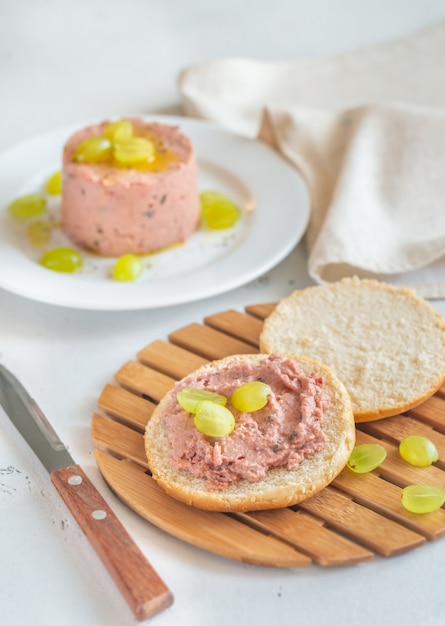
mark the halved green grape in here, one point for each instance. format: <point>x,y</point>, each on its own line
<point>128,267</point>
<point>119,131</point>
<point>422,498</point>
<point>54,184</point>
<point>189,398</point>
<point>418,450</point>
<point>366,457</point>
<point>213,419</point>
<point>28,206</point>
<point>134,151</point>
<point>218,211</point>
<point>39,233</point>
<point>62,259</point>
<point>250,396</point>
<point>94,150</point>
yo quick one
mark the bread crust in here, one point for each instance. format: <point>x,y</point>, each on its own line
<point>385,343</point>
<point>281,487</point>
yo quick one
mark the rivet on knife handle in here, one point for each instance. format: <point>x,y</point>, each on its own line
<point>145,592</point>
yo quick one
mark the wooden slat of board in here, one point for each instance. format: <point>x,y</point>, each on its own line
<point>216,532</point>
<point>208,342</point>
<point>310,536</point>
<point>362,524</point>
<point>143,380</point>
<point>261,310</point>
<point>432,412</point>
<point>117,439</point>
<point>236,324</point>
<point>169,359</point>
<point>125,406</point>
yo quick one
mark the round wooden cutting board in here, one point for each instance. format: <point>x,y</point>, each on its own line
<point>350,521</point>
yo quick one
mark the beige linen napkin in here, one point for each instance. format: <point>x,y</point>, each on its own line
<point>367,132</point>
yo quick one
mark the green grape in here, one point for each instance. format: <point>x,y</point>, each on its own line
<point>54,184</point>
<point>62,260</point>
<point>189,398</point>
<point>218,211</point>
<point>422,498</point>
<point>418,450</point>
<point>119,131</point>
<point>128,267</point>
<point>213,419</point>
<point>250,396</point>
<point>27,206</point>
<point>134,151</point>
<point>94,150</point>
<point>366,457</point>
<point>39,233</point>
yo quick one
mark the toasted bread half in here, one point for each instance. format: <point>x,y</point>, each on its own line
<point>280,486</point>
<point>385,343</point>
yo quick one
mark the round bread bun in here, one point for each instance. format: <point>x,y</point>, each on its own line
<point>280,487</point>
<point>385,343</point>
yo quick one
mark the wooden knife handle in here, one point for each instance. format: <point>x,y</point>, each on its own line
<point>143,589</point>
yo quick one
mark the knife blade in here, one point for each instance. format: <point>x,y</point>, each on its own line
<point>143,589</point>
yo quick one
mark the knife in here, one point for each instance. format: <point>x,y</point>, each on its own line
<point>143,589</point>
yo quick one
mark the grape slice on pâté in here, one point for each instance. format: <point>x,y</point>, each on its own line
<point>251,396</point>
<point>189,398</point>
<point>213,419</point>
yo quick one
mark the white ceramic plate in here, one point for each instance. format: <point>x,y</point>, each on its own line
<point>271,193</point>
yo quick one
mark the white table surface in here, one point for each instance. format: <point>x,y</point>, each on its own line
<point>61,62</point>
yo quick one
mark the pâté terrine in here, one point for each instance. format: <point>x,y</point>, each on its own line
<point>113,209</point>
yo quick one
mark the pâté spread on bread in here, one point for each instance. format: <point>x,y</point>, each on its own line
<point>138,193</point>
<point>284,432</point>
<point>277,454</point>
